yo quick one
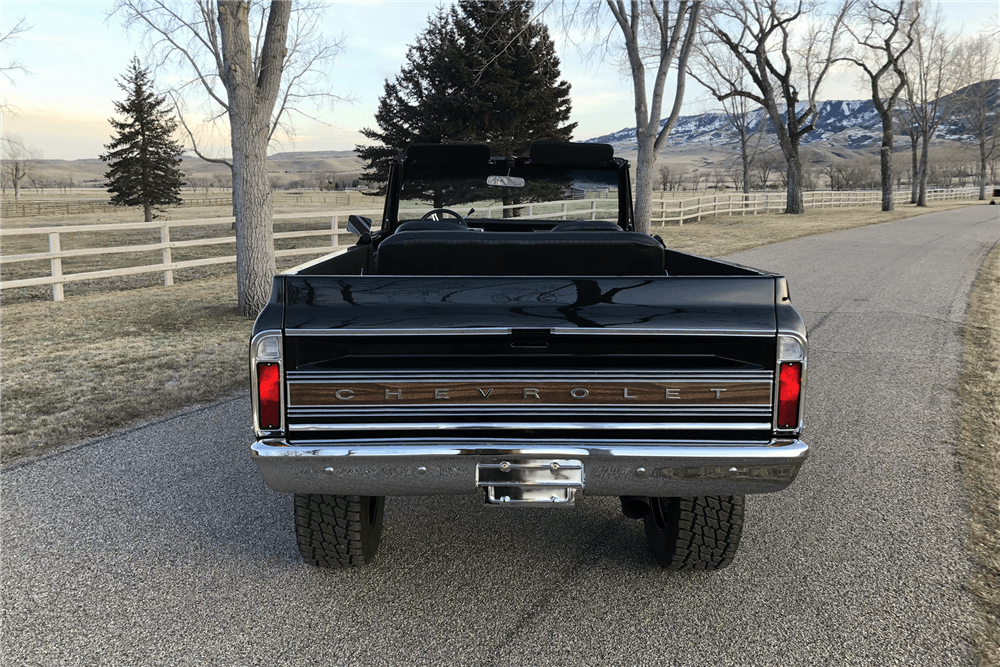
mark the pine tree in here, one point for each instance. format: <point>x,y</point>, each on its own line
<point>517,95</point>
<point>143,158</point>
<point>483,71</point>
<point>422,103</point>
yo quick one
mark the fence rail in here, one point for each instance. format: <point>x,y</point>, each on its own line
<point>664,212</point>
<point>679,211</point>
<point>44,208</point>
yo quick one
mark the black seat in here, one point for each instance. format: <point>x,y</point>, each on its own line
<point>587,226</point>
<point>433,225</point>
<point>564,253</point>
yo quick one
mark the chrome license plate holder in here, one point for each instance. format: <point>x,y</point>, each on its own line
<point>535,482</point>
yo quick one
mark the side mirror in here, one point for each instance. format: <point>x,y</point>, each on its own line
<point>360,225</point>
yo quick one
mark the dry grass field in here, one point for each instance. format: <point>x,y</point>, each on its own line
<point>979,448</point>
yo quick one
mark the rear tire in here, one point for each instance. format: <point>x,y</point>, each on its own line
<point>338,531</point>
<point>701,533</point>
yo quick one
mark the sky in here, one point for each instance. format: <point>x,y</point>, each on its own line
<point>74,55</point>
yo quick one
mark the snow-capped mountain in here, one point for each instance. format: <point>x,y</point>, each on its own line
<point>848,123</point>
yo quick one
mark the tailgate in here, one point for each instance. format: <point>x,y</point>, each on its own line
<point>647,358</point>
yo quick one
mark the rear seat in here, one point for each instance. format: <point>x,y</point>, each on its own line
<point>607,252</point>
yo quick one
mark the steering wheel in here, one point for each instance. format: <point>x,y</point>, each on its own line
<point>434,212</point>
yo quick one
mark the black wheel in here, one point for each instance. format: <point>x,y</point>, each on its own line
<point>338,531</point>
<point>700,533</point>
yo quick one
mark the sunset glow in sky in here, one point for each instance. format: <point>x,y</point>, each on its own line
<point>75,56</point>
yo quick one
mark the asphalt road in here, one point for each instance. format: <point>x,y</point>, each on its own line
<point>161,545</point>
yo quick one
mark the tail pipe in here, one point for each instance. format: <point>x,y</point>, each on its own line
<point>635,507</point>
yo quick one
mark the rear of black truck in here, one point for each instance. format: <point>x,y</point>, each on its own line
<point>679,391</point>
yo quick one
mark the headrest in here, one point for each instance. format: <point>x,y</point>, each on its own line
<point>571,154</point>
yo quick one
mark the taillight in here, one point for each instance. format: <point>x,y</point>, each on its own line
<point>269,395</point>
<point>789,391</point>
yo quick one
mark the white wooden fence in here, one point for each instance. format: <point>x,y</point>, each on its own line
<point>590,209</point>
<point>690,209</point>
<point>664,212</point>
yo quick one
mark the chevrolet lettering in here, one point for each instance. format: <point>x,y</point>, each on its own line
<point>480,339</point>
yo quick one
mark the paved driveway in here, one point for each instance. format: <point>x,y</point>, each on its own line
<point>161,545</point>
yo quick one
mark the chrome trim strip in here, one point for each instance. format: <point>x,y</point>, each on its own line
<point>468,331</point>
<point>430,445</point>
<point>639,331</point>
<point>422,466</point>
<point>761,409</point>
<point>334,376</point>
<point>557,331</point>
<point>535,426</point>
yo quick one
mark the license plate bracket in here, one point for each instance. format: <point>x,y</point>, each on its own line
<point>536,482</point>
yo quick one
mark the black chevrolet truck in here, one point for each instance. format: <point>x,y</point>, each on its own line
<point>531,358</point>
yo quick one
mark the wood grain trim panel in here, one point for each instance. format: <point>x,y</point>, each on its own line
<point>529,393</point>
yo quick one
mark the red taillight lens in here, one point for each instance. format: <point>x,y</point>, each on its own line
<point>789,390</point>
<point>269,393</point>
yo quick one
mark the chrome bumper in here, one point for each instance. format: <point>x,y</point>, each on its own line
<point>424,466</point>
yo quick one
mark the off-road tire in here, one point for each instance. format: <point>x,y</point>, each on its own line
<point>701,533</point>
<point>338,531</point>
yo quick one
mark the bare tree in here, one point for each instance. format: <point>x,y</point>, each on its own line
<point>659,36</point>
<point>764,166</point>
<point>785,56</point>
<point>251,64</point>
<point>716,63</point>
<point>9,67</point>
<point>18,159</point>
<point>978,108</point>
<point>931,69</point>
<point>884,34</point>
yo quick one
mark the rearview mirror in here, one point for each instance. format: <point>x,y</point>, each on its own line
<point>505,181</point>
<point>360,225</point>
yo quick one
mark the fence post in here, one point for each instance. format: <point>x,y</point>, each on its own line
<point>333,230</point>
<point>593,209</point>
<point>57,288</point>
<point>168,275</point>
<point>563,210</point>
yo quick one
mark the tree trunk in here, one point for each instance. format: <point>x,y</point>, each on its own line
<point>982,169</point>
<point>644,182</point>
<point>915,179</point>
<point>885,159</point>
<point>794,202</point>
<point>147,211</point>
<point>745,157</point>
<point>251,101</point>
<point>255,265</point>
<point>922,180</point>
